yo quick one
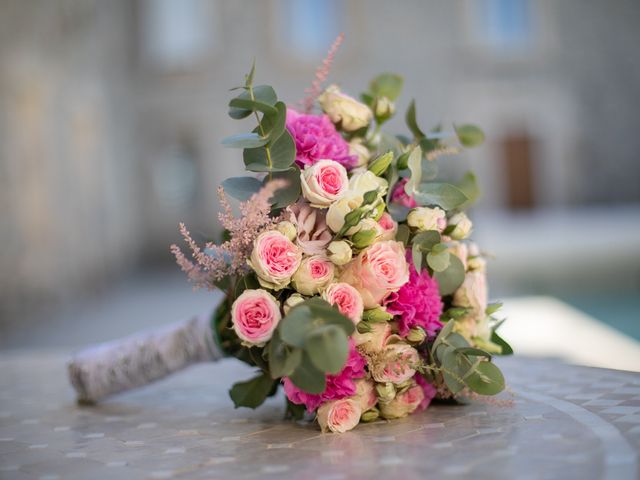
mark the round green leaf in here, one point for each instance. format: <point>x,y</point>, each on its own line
<point>307,377</point>
<point>450,279</point>
<point>487,379</point>
<point>328,348</point>
<point>469,135</point>
<point>438,261</point>
<point>283,359</point>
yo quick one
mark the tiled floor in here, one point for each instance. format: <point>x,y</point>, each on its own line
<point>565,422</point>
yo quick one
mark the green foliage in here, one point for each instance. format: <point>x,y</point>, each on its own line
<point>414,163</point>
<point>444,195</point>
<point>283,359</point>
<point>244,140</point>
<point>387,85</point>
<point>328,348</point>
<point>493,308</point>
<point>403,233</point>
<point>485,379</point>
<point>469,135</point>
<point>438,259</point>
<point>278,157</point>
<point>450,279</point>
<point>261,93</point>
<point>252,393</point>
<point>307,377</point>
<point>469,186</point>
<point>241,188</point>
<point>412,123</point>
<point>289,194</point>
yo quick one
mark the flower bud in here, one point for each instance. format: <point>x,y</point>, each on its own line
<point>343,110</point>
<point>425,218</point>
<point>462,226</point>
<point>477,264</point>
<point>386,392</point>
<point>416,335</point>
<point>291,302</point>
<point>378,211</point>
<point>383,109</point>
<point>357,148</point>
<point>380,164</point>
<point>377,314</point>
<point>363,238</point>
<point>367,181</point>
<point>339,252</point>
<point>340,209</point>
<point>370,415</point>
<point>287,229</point>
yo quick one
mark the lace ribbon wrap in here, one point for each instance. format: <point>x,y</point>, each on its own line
<point>112,367</point>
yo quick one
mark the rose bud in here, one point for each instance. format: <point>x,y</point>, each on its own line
<point>343,110</point>
<point>324,182</point>
<point>375,340</point>
<point>416,335</point>
<point>274,259</point>
<point>364,236</point>
<point>370,415</point>
<point>377,314</point>
<point>462,226</point>
<point>386,391</point>
<point>255,315</point>
<point>425,218</point>
<point>293,300</point>
<point>367,181</point>
<point>339,416</point>
<point>346,298</point>
<point>339,252</point>
<point>365,394</point>
<point>396,364</point>
<point>338,210</point>
<point>383,109</point>
<point>287,229</point>
<point>314,274</point>
<point>403,404</point>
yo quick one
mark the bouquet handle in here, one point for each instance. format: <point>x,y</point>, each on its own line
<point>104,369</point>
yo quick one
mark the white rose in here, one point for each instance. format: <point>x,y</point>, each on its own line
<point>425,218</point>
<point>337,211</point>
<point>366,181</point>
<point>344,110</point>
<point>361,151</point>
<point>462,226</point>
<point>324,182</point>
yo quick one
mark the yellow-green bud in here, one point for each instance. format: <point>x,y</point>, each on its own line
<point>340,252</point>
<point>377,314</point>
<point>386,392</point>
<point>380,164</point>
<point>383,108</point>
<point>291,302</point>
<point>363,238</point>
<point>462,226</point>
<point>416,335</point>
<point>288,229</point>
<point>379,211</point>
<point>370,415</point>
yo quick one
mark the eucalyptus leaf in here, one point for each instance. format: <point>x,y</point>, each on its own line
<point>416,256</point>
<point>387,85</point>
<point>445,195</point>
<point>262,93</point>
<point>498,340</point>
<point>487,379</point>
<point>295,326</point>
<point>451,371</point>
<point>469,186</point>
<point>274,126</point>
<point>438,261</point>
<point>243,104</point>
<point>411,121</point>
<point>282,153</point>
<point>289,194</point>
<point>403,233</point>
<point>450,279</point>
<point>244,140</point>
<point>283,359</point>
<point>414,163</point>
<point>427,240</point>
<point>474,352</point>
<point>251,393</point>
<point>241,188</point>
<point>469,135</point>
<point>307,377</point>
<point>328,348</point>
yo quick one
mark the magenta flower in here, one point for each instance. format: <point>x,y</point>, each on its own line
<point>399,196</point>
<point>317,139</point>
<point>428,389</point>
<point>417,303</point>
<point>339,386</point>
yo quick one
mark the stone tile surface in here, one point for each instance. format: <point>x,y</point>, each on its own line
<point>558,421</point>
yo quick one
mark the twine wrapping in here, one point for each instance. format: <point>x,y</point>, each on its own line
<point>112,367</point>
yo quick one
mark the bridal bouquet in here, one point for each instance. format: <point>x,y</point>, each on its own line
<point>348,277</point>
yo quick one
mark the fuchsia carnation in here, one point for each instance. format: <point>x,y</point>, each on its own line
<point>428,389</point>
<point>317,139</point>
<point>339,386</point>
<point>417,303</point>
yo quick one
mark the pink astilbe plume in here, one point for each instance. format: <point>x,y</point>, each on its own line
<point>321,76</point>
<point>216,262</point>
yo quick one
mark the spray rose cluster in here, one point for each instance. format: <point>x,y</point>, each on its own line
<point>362,290</point>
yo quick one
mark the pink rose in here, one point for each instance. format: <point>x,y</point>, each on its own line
<point>404,403</point>
<point>347,299</point>
<point>274,259</point>
<point>388,227</point>
<point>396,364</point>
<point>255,315</point>
<point>377,271</point>
<point>339,416</point>
<point>365,394</point>
<point>400,197</point>
<point>324,182</point>
<point>314,274</point>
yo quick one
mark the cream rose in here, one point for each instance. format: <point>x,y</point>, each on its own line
<point>462,226</point>
<point>339,416</point>
<point>324,182</point>
<point>255,315</point>
<point>367,181</point>
<point>377,271</point>
<point>343,110</point>
<point>403,404</point>
<point>472,293</point>
<point>425,218</point>
<point>375,340</point>
<point>340,252</point>
<point>274,259</point>
<point>361,151</point>
<point>337,211</point>
<point>365,394</point>
<point>314,274</point>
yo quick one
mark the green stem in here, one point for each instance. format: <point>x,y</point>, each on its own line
<point>267,149</point>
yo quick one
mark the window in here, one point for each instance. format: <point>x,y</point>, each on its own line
<point>310,26</point>
<point>505,25</point>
